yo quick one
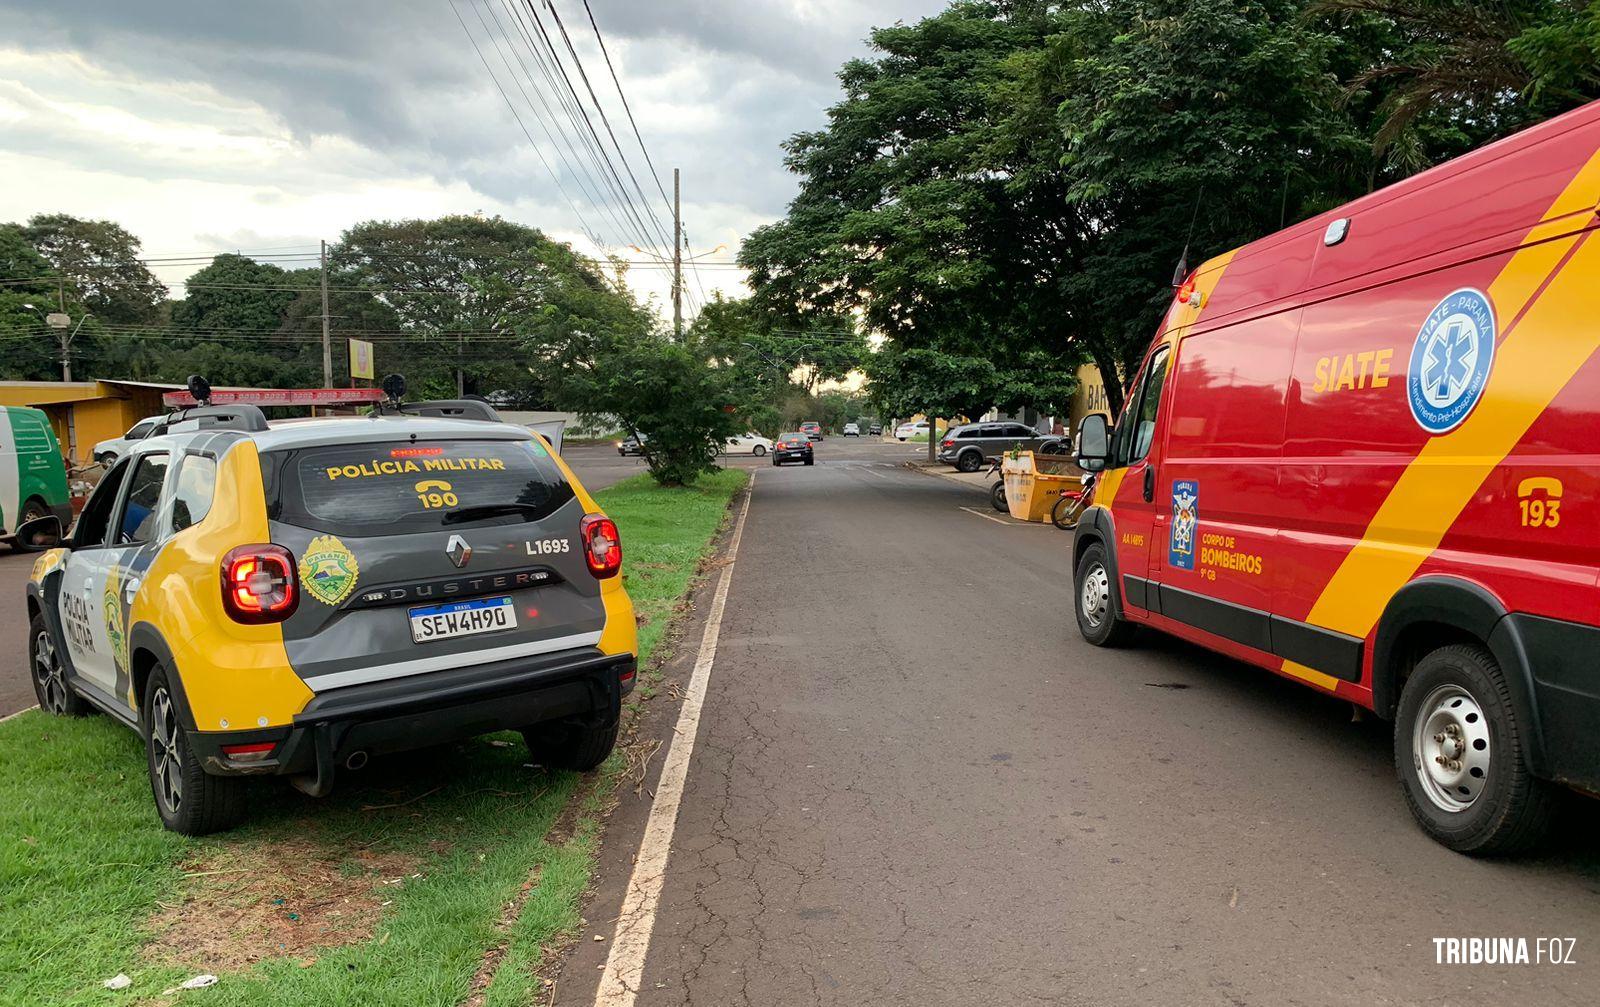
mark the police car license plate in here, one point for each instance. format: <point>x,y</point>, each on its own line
<point>462,618</point>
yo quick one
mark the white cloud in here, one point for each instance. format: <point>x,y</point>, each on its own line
<point>206,127</point>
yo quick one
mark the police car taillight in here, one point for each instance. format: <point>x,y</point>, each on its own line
<point>258,584</point>
<point>602,546</point>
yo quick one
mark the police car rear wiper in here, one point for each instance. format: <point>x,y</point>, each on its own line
<point>461,514</point>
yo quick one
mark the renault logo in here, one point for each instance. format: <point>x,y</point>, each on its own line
<point>458,550</point>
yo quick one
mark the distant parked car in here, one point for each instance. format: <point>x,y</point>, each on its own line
<point>969,446</point>
<point>109,451</point>
<point>748,444</point>
<point>906,431</point>
<point>852,430</point>
<point>633,444</point>
<point>793,447</point>
<point>875,430</point>
<point>812,430</point>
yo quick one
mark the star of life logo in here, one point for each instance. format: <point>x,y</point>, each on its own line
<point>1451,360</point>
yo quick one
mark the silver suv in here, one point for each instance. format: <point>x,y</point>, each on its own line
<point>968,447</point>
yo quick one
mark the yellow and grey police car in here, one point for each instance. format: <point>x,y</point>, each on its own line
<point>293,598</point>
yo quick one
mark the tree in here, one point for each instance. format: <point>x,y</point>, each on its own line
<point>100,260</point>
<point>27,347</point>
<point>918,211</point>
<point>1444,76</point>
<point>469,289</point>
<point>925,380</point>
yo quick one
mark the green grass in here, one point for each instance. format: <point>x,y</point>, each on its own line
<point>85,865</point>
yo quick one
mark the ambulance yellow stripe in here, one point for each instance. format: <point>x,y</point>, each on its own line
<point>1532,364</point>
<point>1182,317</point>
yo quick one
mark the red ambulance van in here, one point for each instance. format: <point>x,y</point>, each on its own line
<point>1364,453</point>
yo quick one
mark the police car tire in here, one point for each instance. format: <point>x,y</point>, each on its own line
<point>570,746</point>
<point>1112,631</point>
<point>209,803</point>
<point>70,704</point>
<point>1515,810</point>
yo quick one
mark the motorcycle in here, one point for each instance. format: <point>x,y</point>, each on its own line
<point>1070,507</point>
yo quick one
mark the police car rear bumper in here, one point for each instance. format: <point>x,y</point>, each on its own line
<point>399,715</point>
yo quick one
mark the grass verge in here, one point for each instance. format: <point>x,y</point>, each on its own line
<point>434,878</point>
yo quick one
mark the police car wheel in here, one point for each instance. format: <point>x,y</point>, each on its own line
<point>571,746</point>
<point>189,800</point>
<point>1461,758</point>
<point>760,449</point>
<point>50,674</point>
<point>1092,586</point>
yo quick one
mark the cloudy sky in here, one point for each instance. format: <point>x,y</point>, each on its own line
<point>265,126</point>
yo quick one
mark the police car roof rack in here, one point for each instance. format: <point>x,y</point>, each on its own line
<point>205,416</point>
<point>394,386</point>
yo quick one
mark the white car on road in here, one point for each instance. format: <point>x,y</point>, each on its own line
<point>748,444</point>
<point>109,451</point>
<point>906,431</point>
<point>852,430</point>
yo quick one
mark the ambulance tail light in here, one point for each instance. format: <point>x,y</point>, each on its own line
<point>258,584</point>
<point>602,545</point>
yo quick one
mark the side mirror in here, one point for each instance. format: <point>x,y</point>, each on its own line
<point>1094,443</point>
<point>40,534</point>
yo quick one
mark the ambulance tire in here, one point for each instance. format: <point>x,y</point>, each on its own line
<point>190,801</point>
<point>571,746</point>
<point>49,674</point>
<point>1092,592</point>
<point>1459,692</point>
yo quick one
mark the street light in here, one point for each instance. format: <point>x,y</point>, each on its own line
<point>59,320</point>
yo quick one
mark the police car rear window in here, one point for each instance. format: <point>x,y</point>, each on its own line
<point>402,487</point>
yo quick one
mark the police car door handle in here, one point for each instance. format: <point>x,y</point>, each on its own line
<point>131,589</point>
<point>1149,483</point>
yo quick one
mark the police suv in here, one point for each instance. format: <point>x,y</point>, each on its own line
<point>292,598</point>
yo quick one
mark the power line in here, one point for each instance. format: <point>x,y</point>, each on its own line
<point>654,174</point>
<point>520,124</point>
<point>589,123</point>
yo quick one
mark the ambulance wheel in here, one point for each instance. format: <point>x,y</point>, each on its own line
<point>50,673</point>
<point>1092,585</point>
<point>571,746</point>
<point>1462,759</point>
<point>190,801</point>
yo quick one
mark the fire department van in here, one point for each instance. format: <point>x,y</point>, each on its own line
<point>1362,453</point>
<point>294,598</point>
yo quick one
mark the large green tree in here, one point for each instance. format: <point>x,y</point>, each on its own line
<point>100,260</point>
<point>1012,177</point>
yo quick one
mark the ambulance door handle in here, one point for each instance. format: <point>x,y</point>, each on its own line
<point>1149,483</point>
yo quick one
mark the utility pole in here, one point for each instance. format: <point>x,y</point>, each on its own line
<point>327,341</point>
<point>677,260</point>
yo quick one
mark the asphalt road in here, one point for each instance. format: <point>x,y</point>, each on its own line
<point>597,466</point>
<point>914,784</point>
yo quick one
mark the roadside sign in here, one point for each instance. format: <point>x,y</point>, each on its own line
<point>280,397</point>
<point>361,359</point>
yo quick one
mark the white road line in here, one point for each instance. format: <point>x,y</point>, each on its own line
<point>996,520</point>
<point>624,970</point>
<point>18,713</point>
